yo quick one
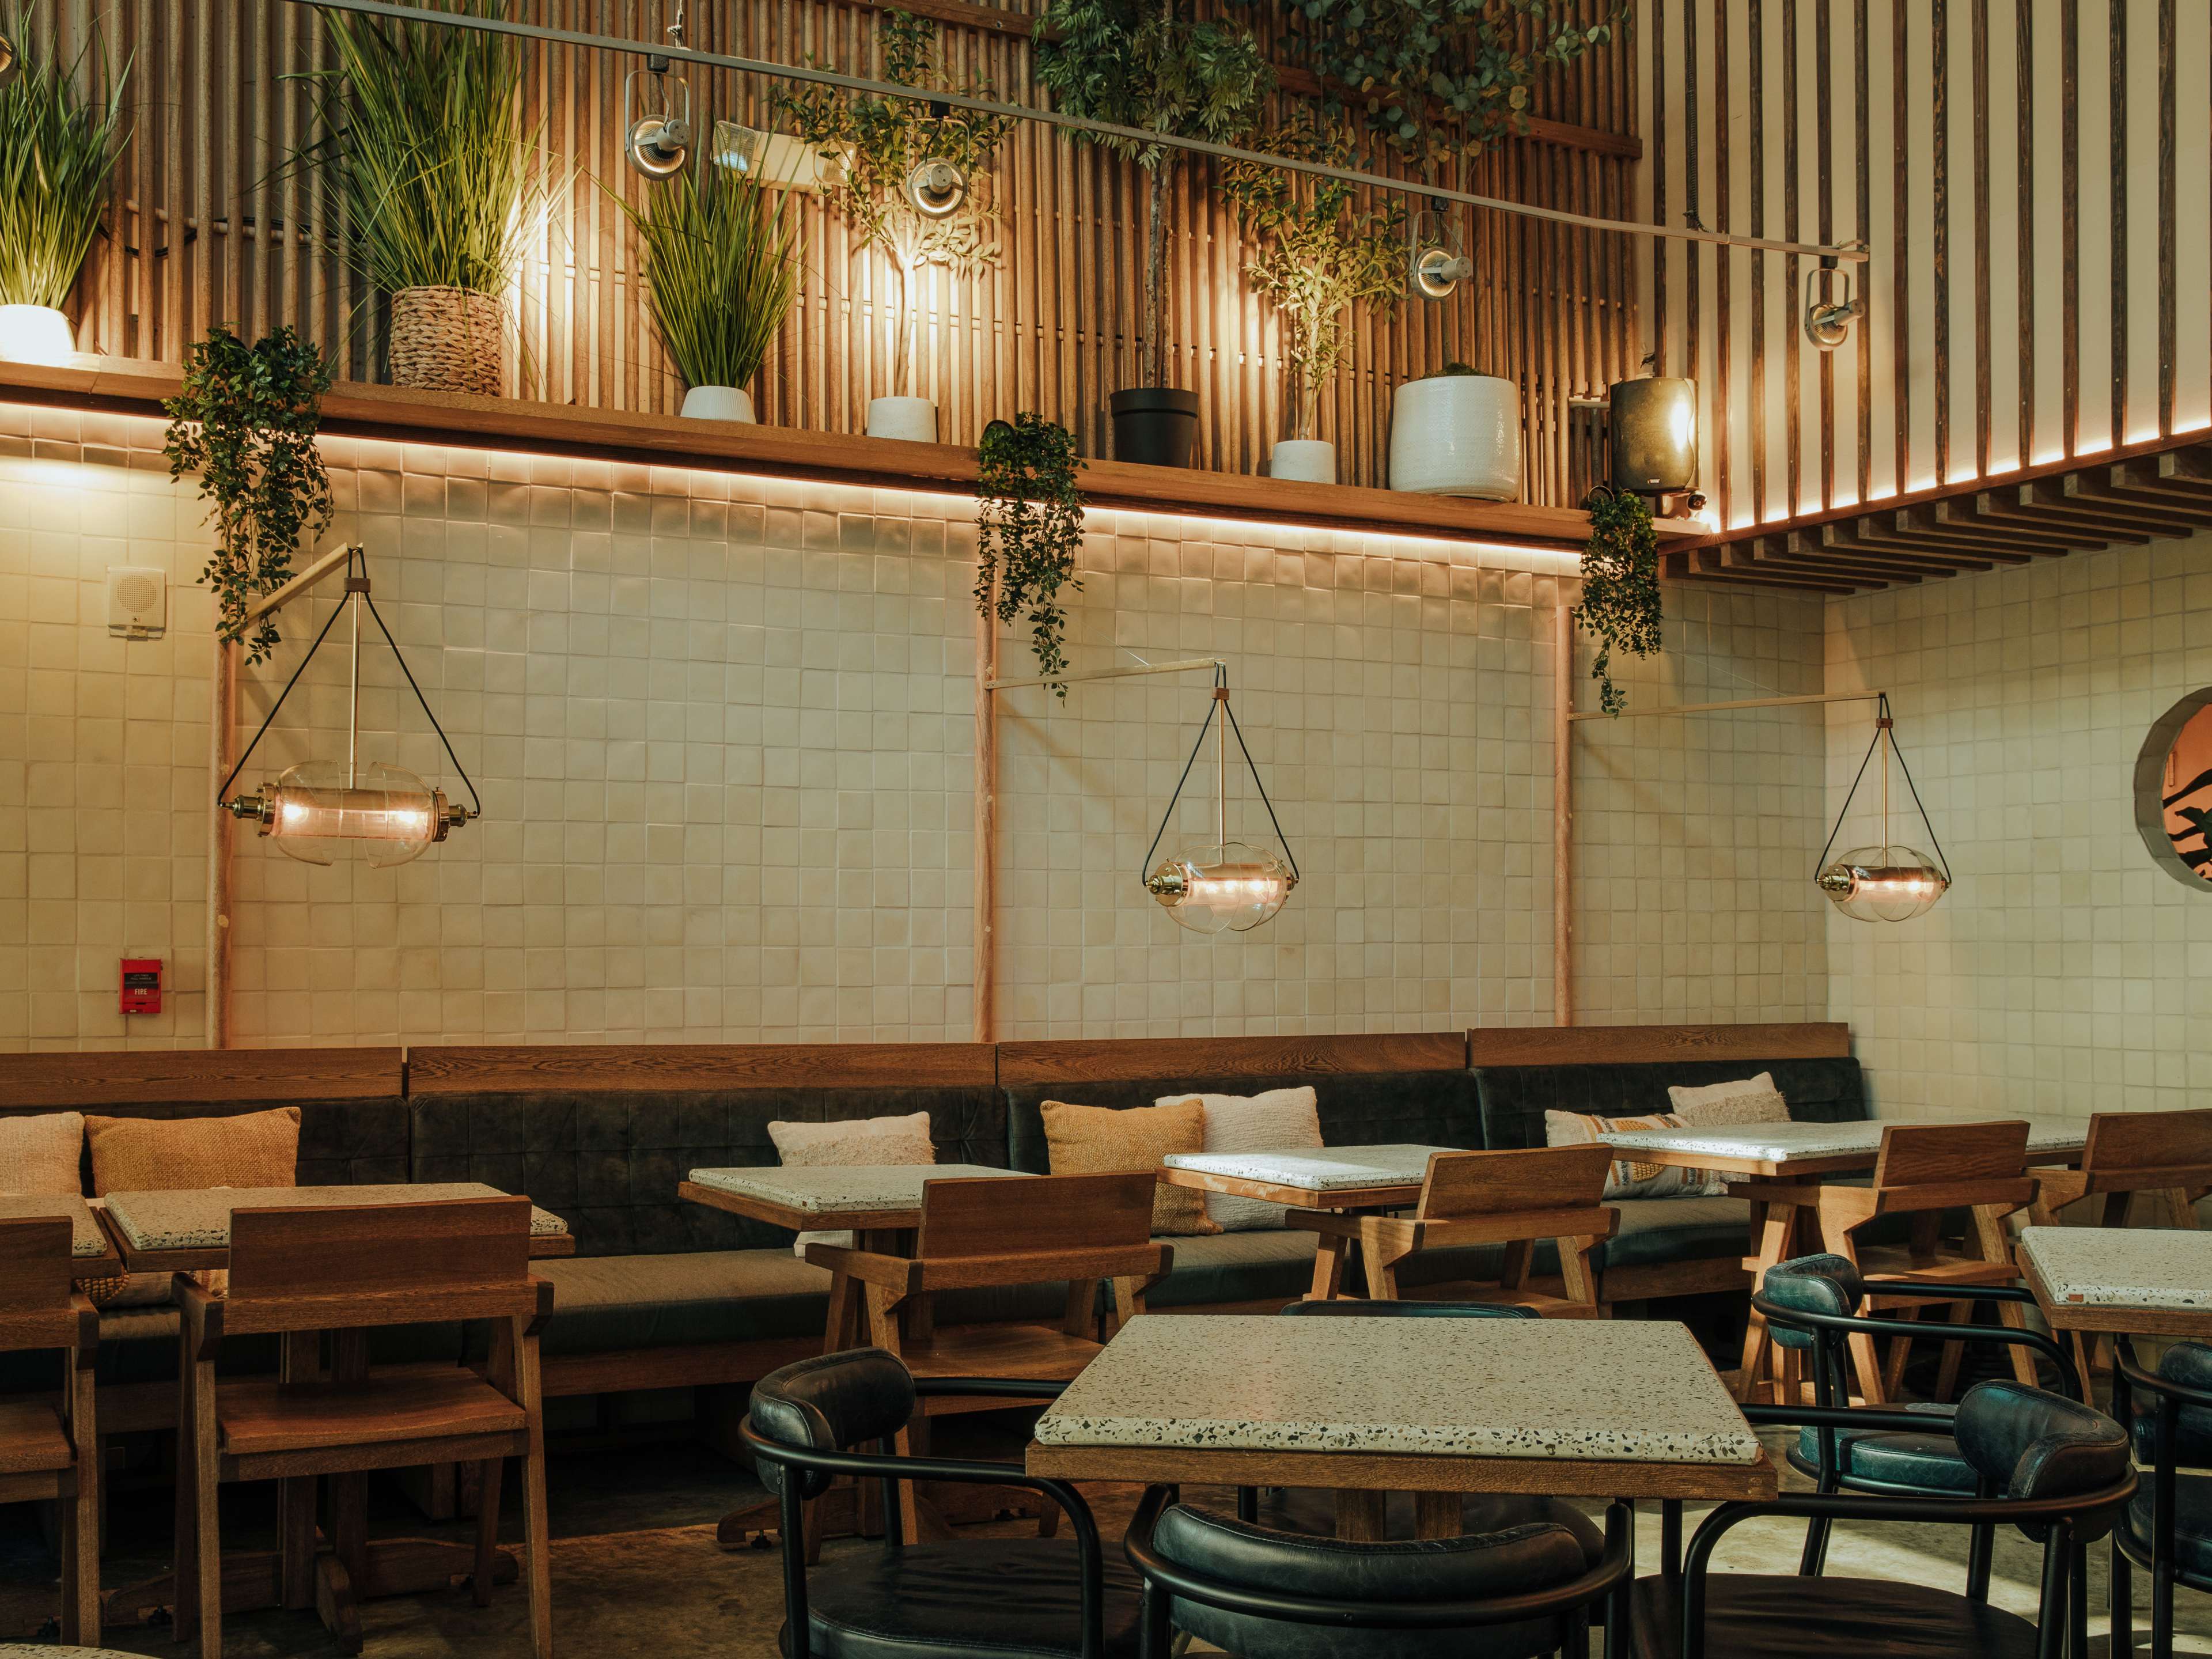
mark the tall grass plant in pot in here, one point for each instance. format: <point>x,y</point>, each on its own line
<point>721,268</point>
<point>421,135</point>
<point>58,148</point>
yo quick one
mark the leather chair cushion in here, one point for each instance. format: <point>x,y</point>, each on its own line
<point>1312,1512</point>
<point>1656,1231</point>
<point>608,1163</point>
<point>1811,1284</point>
<point>832,1402</point>
<point>1434,1108</point>
<point>2192,1522</point>
<point>1918,1463</point>
<point>2191,1365</point>
<point>1513,1099</point>
<point>2035,1444</point>
<point>1014,1599</point>
<point>1751,1616</point>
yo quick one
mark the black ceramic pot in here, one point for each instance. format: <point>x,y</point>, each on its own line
<point>1155,425</point>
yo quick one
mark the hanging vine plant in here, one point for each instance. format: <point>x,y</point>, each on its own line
<point>246,421</point>
<point>1620,585</point>
<point>1031,524</point>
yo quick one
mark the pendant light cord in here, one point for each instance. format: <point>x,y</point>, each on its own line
<point>1882,714</point>
<point>273,708</point>
<point>477,799</point>
<point>1221,682</point>
<point>1145,870</point>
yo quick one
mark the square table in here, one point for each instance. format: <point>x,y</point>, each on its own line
<point>88,1241</point>
<point>2124,1281</point>
<point>173,1231</point>
<point>1777,1165</point>
<point>1339,1178</point>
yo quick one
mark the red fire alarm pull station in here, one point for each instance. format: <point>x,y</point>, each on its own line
<point>142,985</point>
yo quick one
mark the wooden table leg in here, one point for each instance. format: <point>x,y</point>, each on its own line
<point>1329,1268</point>
<point>1773,1224</point>
<point>1437,1514</point>
<point>342,1576</point>
<point>1362,1516</point>
<point>301,1361</point>
<point>1996,1246</point>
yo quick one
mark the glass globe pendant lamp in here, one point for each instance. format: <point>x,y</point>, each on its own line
<point>318,809</point>
<point>1891,882</point>
<point>1221,885</point>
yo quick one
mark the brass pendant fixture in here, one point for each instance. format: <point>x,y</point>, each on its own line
<point>1223,885</point>
<point>1890,882</point>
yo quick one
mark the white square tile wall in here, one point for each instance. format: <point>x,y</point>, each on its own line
<point>722,731</point>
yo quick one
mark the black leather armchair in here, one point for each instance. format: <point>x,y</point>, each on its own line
<point>1260,1593</point>
<point>2167,1529</point>
<point>1811,1304</point>
<point>1033,1598</point>
<point>2058,1469</point>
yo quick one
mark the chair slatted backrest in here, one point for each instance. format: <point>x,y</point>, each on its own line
<point>1057,1216</point>
<point>1950,1154</point>
<point>2163,1149</point>
<point>36,1270</point>
<point>378,1264</point>
<point>1537,1178</point>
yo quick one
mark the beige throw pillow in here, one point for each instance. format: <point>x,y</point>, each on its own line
<point>1627,1178</point>
<point>854,1141</point>
<point>1714,1105</point>
<point>1278,1121</point>
<point>1099,1140</point>
<point>154,1155</point>
<point>39,1156</point>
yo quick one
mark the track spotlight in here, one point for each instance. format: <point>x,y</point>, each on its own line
<point>657,139</point>
<point>1437,262</point>
<point>1832,306</point>
<point>936,188</point>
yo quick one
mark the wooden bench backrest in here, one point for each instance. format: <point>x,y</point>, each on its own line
<point>106,1081</point>
<point>1040,1215</point>
<point>2166,1149</point>
<point>1636,1045</point>
<point>394,1263</point>
<point>1503,1182</point>
<point>677,1067</point>
<point>1950,1154</point>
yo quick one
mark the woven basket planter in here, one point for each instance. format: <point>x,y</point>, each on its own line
<point>446,339</point>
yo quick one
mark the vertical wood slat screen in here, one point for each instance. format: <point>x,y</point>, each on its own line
<point>2069,138</point>
<point>204,232</point>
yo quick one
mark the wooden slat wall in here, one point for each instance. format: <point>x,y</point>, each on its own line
<point>201,235</point>
<point>1956,136</point>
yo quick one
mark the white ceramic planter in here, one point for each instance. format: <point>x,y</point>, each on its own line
<point>35,334</point>
<point>1457,434</point>
<point>717,403</point>
<point>1307,460</point>
<point>914,419</point>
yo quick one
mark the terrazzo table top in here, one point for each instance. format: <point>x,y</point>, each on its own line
<point>2084,1277</point>
<point>86,1238</point>
<point>199,1220</point>
<point>1332,1169</point>
<point>1585,1390</point>
<point>1777,1144</point>
<point>865,1188</point>
<point>48,1650</point>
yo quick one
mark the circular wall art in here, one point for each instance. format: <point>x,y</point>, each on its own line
<point>2173,790</point>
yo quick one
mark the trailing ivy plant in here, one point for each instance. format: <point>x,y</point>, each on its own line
<point>872,144</point>
<point>1441,79</point>
<point>1031,524</point>
<point>1317,254</point>
<point>246,421</point>
<point>1620,586</point>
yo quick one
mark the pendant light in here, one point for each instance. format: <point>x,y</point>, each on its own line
<point>1437,261</point>
<point>1890,882</point>
<point>1223,884</point>
<point>316,808</point>
<point>1831,304</point>
<point>658,141</point>
<point>937,184</point>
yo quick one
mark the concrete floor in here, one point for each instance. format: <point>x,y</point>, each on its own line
<point>636,1571</point>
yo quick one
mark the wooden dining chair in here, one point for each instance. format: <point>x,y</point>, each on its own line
<point>48,1454</point>
<point>980,1233</point>
<point>1512,1199</point>
<point>1922,1171</point>
<point>347,1272</point>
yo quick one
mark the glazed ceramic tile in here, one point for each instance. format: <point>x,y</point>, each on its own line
<point>830,1189</point>
<point>1327,1170</point>
<point>1777,1143</point>
<point>1635,1392</point>
<point>2122,1266</point>
<point>86,1238</point>
<point>200,1220</point>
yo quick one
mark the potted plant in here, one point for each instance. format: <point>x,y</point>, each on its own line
<point>1028,531</point>
<point>246,421</point>
<point>721,267</point>
<point>1141,64</point>
<point>421,138</point>
<point>1457,434</point>
<point>1316,258</point>
<point>904,175</point>
<point>57,150</point>
<point>1620,585</point>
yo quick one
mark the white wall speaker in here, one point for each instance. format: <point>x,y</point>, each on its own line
<point>138,601</point>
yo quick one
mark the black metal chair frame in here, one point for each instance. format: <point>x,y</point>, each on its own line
<point>2128,1373</point>
<point>1570,1603</point>
<point>1831,1390</point>
<point>2063,1607</point>
<point>891,1469</point>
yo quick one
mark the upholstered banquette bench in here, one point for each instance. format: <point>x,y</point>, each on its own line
<point>662,1293</point>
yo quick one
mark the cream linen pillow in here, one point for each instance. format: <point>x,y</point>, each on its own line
<point>1715,1105</point>
<point>845,1144</point>
<point>1629,1179</point>
<point>153,1154</point>
<point>1278,1121</point>
<point>1099,1140</point>
<point>39,1156</point>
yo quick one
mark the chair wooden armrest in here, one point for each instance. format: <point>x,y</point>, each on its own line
<point>893,1272</point>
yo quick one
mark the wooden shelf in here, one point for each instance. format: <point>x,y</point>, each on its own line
<point>406,416</point>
